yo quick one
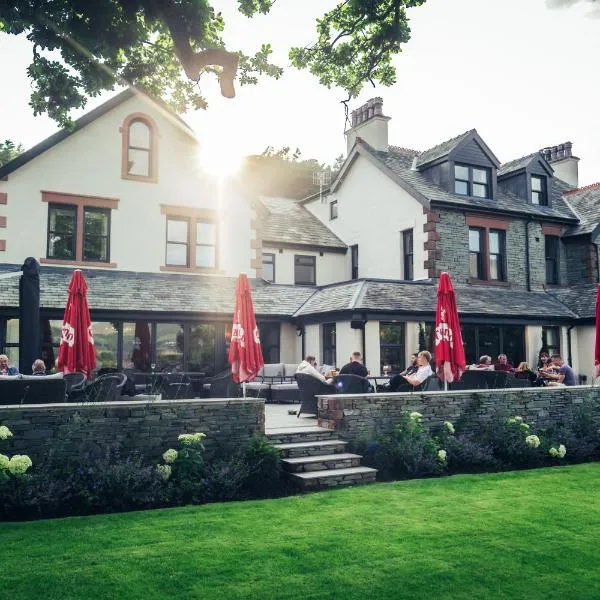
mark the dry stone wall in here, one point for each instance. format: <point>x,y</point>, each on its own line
<point>146,427</point>
<point>360,416</point>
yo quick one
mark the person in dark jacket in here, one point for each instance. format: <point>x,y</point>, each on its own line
<point>355,366</point>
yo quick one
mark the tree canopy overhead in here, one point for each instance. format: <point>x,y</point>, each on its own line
<point>84,47</point>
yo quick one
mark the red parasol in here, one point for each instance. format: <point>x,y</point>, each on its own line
<point>245,352</point>
<point>449,350</point>
<point>76,352</point>
<point>597,346</point>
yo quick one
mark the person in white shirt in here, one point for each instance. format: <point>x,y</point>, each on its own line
<point>307,366</point>
<point>423,372</point>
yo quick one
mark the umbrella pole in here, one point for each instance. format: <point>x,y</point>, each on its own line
<point>445,385</point>
<point>244,389</point>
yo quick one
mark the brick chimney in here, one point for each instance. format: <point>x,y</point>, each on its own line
<point>563,162</point>
<point>370,124</point>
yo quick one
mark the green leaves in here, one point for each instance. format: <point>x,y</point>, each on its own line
<point>8,151</point>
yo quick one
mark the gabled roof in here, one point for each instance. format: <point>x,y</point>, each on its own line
<point>85,120</point>
<point>585,202</point>
<point>288,222</point>
<point>522,163</point>
<point>443,150</point>
<point>581,299</point>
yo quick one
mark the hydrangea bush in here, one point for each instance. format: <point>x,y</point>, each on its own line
<point>14,466</point>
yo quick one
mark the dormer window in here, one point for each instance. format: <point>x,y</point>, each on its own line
<point>139,148</point>
<point>539,193</point>
<point>471,181</point>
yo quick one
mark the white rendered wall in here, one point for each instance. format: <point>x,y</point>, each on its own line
<point>89,163</point>
<point>372,212</point>
<point>347,341</point>
<point>312,342</point>
<point>288,346</point>
<point>583,340</point>
<point>372,351</point>
<point>330,268</point>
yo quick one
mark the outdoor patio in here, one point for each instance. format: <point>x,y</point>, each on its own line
<point>277,417</point>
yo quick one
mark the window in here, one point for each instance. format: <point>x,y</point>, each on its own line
<point>476,253</point>
<point>191,243</point>
<point>201,346</point>
<point>354,259</point>
<point>169,346</point>
<point>551,340</point>
<point>539,193</point>
<point>268,264</point>
<point>62,232</point>
<point>139,149</point>
<point>333,210</point>
<point>494,340</point>
<point>106,341</point>
<point>270,334</point>
<point>329,345</point>
<point>497,253</point>
<point>10,341</point>
<point>487,254</point>
<point>407,251</point>
<point>80,231</point>
<point>552,253</point>
<point>391,346</point>
<point>137,345</point>
<point>471,181</point>
<point>305,270</point>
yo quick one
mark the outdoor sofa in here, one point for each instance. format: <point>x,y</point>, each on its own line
<point>275,383</point>
<point>32,389</point>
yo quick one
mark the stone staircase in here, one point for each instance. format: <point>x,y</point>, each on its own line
<point>314,458</point>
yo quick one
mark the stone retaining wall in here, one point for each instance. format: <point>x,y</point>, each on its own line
<point>147,427</point>
<point>355,416</point>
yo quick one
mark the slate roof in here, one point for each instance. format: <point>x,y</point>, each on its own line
<point>126,291</point>
<point>586,203</point>
<point>420,297</point>
<point>580,299</point>
<point>400,164</point>
<point>290,223</point>
<point>517,164</point>
<point>129,292</point>
<point>442,149</point>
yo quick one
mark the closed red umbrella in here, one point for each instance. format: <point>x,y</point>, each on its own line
<point>449,350</point>
<point>76,352</point>
<point>245,352</point>
<point>597,346</point>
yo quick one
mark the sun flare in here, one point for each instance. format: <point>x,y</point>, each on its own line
<point>219,158</point>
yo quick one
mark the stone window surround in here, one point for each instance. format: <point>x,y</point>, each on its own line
<point>485,224</point>
<point>124,130</point>
<point>193,215</point>
<point>81,202</point>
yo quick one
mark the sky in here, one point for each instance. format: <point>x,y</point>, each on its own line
<point>519,71</point>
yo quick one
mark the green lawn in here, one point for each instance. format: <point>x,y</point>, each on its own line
<point>527,534</point>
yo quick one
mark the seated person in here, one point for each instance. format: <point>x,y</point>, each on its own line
<point>524,372</point>
<point>38,367</point>
<point>355,366</point>
<point>484,363</point>
<point>564,374</point>
<point>413,367</point>
<point>308,367</point>
<point>424,371</point>
<point>544,360</point>
<point>5,368</point>
<point>503,364</point>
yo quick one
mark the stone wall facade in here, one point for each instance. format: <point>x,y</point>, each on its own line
<point>147,427</point>
<point>362,416</point>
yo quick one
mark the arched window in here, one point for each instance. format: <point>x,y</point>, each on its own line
<point>139,148</point>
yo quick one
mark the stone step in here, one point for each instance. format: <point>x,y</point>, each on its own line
<point>318,448</point>
<point>316,480</point>
<point>290,435</point>
<point>306,464</point>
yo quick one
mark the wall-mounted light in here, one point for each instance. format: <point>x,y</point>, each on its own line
<point>299,331</point>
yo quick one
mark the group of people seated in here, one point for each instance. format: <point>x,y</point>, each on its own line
<point>37,368</point>
<point>551,370</point>
<point>354,366</point>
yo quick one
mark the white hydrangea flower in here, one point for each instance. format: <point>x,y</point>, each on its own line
<point>415,416</point>
<point>449,427</point>
<point>562,451</point>
<point>442,455</point>
<point>553,452</point>
<point>5,432</point>
<point>164,471</point>
<point>4,462</point>
<point>511,421</point>
<point>170,455</point>
<point>189,439</point>
<point>532,440</point>
<point>518,419</point>
<point>19,464</point>
<point>524,426</point>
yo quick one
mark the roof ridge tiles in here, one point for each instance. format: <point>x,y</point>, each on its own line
<point>585,188</point>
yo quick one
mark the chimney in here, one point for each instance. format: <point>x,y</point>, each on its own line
<point>370,124</point>
<point>563,162</point>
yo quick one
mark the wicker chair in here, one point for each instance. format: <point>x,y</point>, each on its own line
<point>310,387</point>
<point>352,384</point>
<point>75,383</point>
<point>106,388</point>
<point>223,386</point>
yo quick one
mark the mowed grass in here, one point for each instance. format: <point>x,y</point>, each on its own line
<point>527,534</point>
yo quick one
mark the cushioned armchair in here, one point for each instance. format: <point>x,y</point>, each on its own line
<point>309,388</point>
